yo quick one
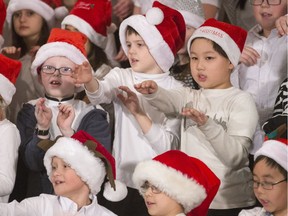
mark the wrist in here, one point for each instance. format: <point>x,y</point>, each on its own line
<point>41,132</point>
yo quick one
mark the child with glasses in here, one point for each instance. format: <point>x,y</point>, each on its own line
<point>270,179</point>
<point>175,184</point>
<point>263,62</point>
<point>58,113</point>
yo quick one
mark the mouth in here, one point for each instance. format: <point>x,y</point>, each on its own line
<point>55,83</point>
<point>149,204</point>
<point>58,182</point>
<point>133,60</point>
<point>266,15</point>
<point>202,77</point>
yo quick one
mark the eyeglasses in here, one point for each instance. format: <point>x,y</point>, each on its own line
<point>144,188</point>
<point>266,185</point>
<point>65,71</point>
<point>269,2</point>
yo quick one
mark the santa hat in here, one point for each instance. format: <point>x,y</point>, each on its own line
<point>191,10</point>
<point>185,179</point>
<point>9,71</point>
<point>163,30</point>
<point>59,10</point>
<point>61,43</point>
<point>275,149</point>
<point>2,20</point>
<point>95,163</point>
<point>229,37</point>
<point>92,18</point>
<point>37,6</point>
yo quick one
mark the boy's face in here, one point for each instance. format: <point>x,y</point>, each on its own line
<point>57,85</point>
<point>139,56</point>
<point>65,181</point>
<point>208,68</point>
<point>266,15</point>
<point>160,204</point>
<point>274,200</point>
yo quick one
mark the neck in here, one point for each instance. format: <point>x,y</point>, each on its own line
<point>59,99</point>
<point>31,41</point>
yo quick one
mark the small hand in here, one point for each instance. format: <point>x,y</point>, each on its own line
<point>282,25</point>
<point>83,73</point>
<point>249,56</point>
<point>43,115</point>
<point>130,101</point>
<point>12,52</point>
<point>198,117</point>
<point>146,87</point>
<point>65,119</point>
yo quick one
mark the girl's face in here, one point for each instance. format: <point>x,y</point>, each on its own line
<point>65,181</point>
<point>27,23</point>
<point>208,68</point>
<point>56,84</point>
<point>189,32</point>
<point>266,15</point>
<point>274,200</point>
<point>139,56</point>
<point>88,45</point>
<point>159,204</point>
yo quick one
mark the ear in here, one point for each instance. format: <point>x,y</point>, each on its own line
<point>231,66</point>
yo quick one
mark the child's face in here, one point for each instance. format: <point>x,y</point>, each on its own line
<point>27,23</point>
<point>65,181</point>
<point>158,203</point>
<point>266,15</point>
<point>274,200</point>
<point>57,85</point>
<point>189,32</point>
<point>208,68</point>
<point>139,56</point>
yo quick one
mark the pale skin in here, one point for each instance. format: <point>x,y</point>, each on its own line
<point>27,24</point>
<point>68,184</point>
<point>269,17</point>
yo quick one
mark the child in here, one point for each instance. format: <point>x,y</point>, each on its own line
<point>263,62</point>
<point>75,184</point>
<point>219,120</point>
<point>58,113</point>
<point>179,184</point>
<point>193,15</point>
<point>141,132</point>
<point>10,138</point>
<point>270,179</point>
<point>29,23</point>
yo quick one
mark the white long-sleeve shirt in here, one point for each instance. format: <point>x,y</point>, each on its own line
<point>130,144</point>
<point>9,143</point>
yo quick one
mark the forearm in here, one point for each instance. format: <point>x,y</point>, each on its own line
<point>92,86</point>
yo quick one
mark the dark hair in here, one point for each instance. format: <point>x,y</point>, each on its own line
<point>241,4</point>
<point>216,47</point>
<point>271,163</point>
<point>97,57</point>
<point>130,30</point>
<point>18,41</point>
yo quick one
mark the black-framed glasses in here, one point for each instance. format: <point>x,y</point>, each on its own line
<point>266,185</point>
<point>269,2</point>
<point>48,69</point>
<point>144,188</point>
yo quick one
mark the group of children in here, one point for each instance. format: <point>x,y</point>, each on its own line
<point>186,150</point>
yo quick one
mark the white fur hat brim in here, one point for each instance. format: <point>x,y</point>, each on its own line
<point>86,29</point>
<point>53,49</point>
<point>37,6</point>
<point>7,89</point>
<point>90,168</point>
<point>171,182</point>
<point>157,46</point>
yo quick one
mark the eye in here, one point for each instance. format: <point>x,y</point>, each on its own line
<point>209,58</point>
<point>17,14</point>
<point>66,70</point>
<point>193,58</point>
<point>30,13</point>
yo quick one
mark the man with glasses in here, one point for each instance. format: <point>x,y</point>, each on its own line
<point>270,179</point>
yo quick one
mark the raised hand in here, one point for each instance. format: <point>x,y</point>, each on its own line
<point>65,119</point>
<point>12,52</point>
<point>83,73</point>
<point>282,25</point>
<point>146,87</point>
<point>198,117</point>
<point>43,115</point>
<point>249,56</point>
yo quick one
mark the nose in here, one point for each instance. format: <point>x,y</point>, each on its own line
<point>57,72</point>
<point>148,192</point>
<point>200,64</point>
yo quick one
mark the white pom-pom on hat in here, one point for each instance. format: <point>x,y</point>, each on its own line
<point>114,196</point>
<point>155,16</point>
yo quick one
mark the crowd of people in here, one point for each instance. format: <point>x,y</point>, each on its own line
<point>143,107</point>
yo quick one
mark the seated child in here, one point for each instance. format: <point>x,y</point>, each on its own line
<point>270,179</point>
<point>10,137</point>
<point>75,183</point>
<point>179,184</point>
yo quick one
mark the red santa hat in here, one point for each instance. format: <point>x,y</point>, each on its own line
<point>191,10</point>
<point>229,37</point>
<point>61,43</point>
<point>2,20</point>
<point>92,18</point>
<point>163,30</point>
<point>95,163</point>
<point>38,6</point>
<point>185,179</point>
<point>275,149</point>
<point>9,71</point>
<point>59,10</point>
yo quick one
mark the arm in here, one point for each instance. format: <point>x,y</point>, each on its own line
<point>10,142</point>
